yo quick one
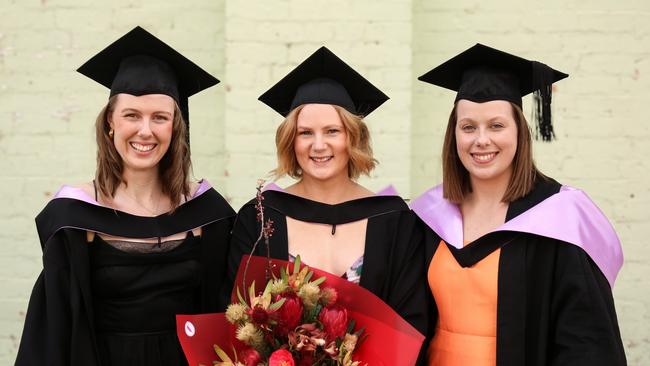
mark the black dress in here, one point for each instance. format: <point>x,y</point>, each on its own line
<point>393,259</point>
<point>136,297</point>
<point>94,304</point>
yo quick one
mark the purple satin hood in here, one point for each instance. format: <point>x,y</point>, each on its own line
<point>568,215</point>
<point>79,194</point>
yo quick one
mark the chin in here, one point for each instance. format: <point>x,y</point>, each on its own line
<point>487,175</point>
<point>323,176</point>
<point>141,165</point>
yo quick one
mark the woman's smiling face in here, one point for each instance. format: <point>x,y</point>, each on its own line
<point>321,144</point>
<point>486,138</point>
<point>142,127</point>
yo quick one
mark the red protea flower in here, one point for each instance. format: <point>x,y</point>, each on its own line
<point>250,357</point>
<point>289,315</point>
<point>335,321</point>
<point>281,357</point>
<point>258,315</point>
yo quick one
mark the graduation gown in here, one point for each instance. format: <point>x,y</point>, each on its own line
<point>393,260</point>
<point>559,258</point>
<point>60,325</point>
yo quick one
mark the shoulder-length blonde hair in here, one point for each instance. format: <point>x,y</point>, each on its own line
<point>358,145</point>
<point>455,178</point>
<point>173,168</point>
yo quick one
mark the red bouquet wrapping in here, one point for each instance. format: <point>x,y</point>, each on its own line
<point>384,338</point>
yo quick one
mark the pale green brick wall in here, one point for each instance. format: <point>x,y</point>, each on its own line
<point>47,110</point>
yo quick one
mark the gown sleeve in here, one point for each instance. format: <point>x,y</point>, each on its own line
<point>410,295</point>
<point>408,291</point>
<point>216,238</point>
<point>586,328</point>
<point>56,330</point>
<point>244,233</point>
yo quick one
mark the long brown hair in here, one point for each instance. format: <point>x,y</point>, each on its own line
<point>173,168</point>
<point>359,148</point>
<point>456,183</point>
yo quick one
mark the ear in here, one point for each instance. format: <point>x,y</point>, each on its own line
<point>109,119</point>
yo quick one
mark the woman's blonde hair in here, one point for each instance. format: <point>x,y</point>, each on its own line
<point>173,168</point>
<point>456,183</point>
<point>358,145</point>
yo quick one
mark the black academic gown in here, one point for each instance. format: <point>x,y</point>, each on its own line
<point>554,305</point>
<point>393,260</point>
<point>59,327</point>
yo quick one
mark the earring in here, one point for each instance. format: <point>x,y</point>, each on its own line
<point>110,133</point>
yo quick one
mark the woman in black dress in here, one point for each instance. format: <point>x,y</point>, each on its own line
<point>124,254</point>
<point>327,218</point>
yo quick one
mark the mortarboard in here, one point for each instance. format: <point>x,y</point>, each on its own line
<point>482,74</point>
<point>323,78</point>
<point>139,63</point>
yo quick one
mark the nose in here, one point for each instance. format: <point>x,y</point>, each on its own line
<point>483,137</point>
<point>319,142</point>
<point>145,128</point>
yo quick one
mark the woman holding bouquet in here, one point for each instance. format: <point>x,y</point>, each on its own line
<point>124,254</point>
<point>520,267</point>
<point>327,218</point>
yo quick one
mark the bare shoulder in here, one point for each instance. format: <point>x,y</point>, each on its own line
<point>194,186</point>
<point>87,187</point>
<point>292,189</point>
<point>363,192</point>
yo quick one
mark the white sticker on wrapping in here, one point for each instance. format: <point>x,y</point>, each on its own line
<point>189,329</point>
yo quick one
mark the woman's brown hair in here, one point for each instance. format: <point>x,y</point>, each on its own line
<point>358,145</point>
<point>456,183</point>
<point>173,168</point>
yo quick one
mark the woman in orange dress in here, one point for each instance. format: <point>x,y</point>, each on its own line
<point>520,268</point>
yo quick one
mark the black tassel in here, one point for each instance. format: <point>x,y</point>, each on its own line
<point>542,95</point>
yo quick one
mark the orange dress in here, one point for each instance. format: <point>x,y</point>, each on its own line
<point>466,299</point>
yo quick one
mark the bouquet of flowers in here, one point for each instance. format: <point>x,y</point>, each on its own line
<point>292,322</point>
<point>303,316</point>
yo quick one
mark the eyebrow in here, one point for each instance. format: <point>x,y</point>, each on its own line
<point>138,111</point>
<point>129,110</point>
<point>333,125</point>
<point>499,117</point>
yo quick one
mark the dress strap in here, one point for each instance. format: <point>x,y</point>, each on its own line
<point>95,189</point>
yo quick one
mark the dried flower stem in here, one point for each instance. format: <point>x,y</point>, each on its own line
<point>266,230</point>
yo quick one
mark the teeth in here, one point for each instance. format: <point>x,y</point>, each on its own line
<point>321,159</point>
<point>484,157</point>
<point>142,148</point>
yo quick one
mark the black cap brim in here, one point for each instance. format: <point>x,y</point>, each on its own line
<point>187,79</point>
<point>324,65</point>
<point>449,74</point>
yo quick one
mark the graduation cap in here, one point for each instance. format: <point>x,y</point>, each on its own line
<point>481,74</point>
<point>323,78</point>
<point>139,63</point>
